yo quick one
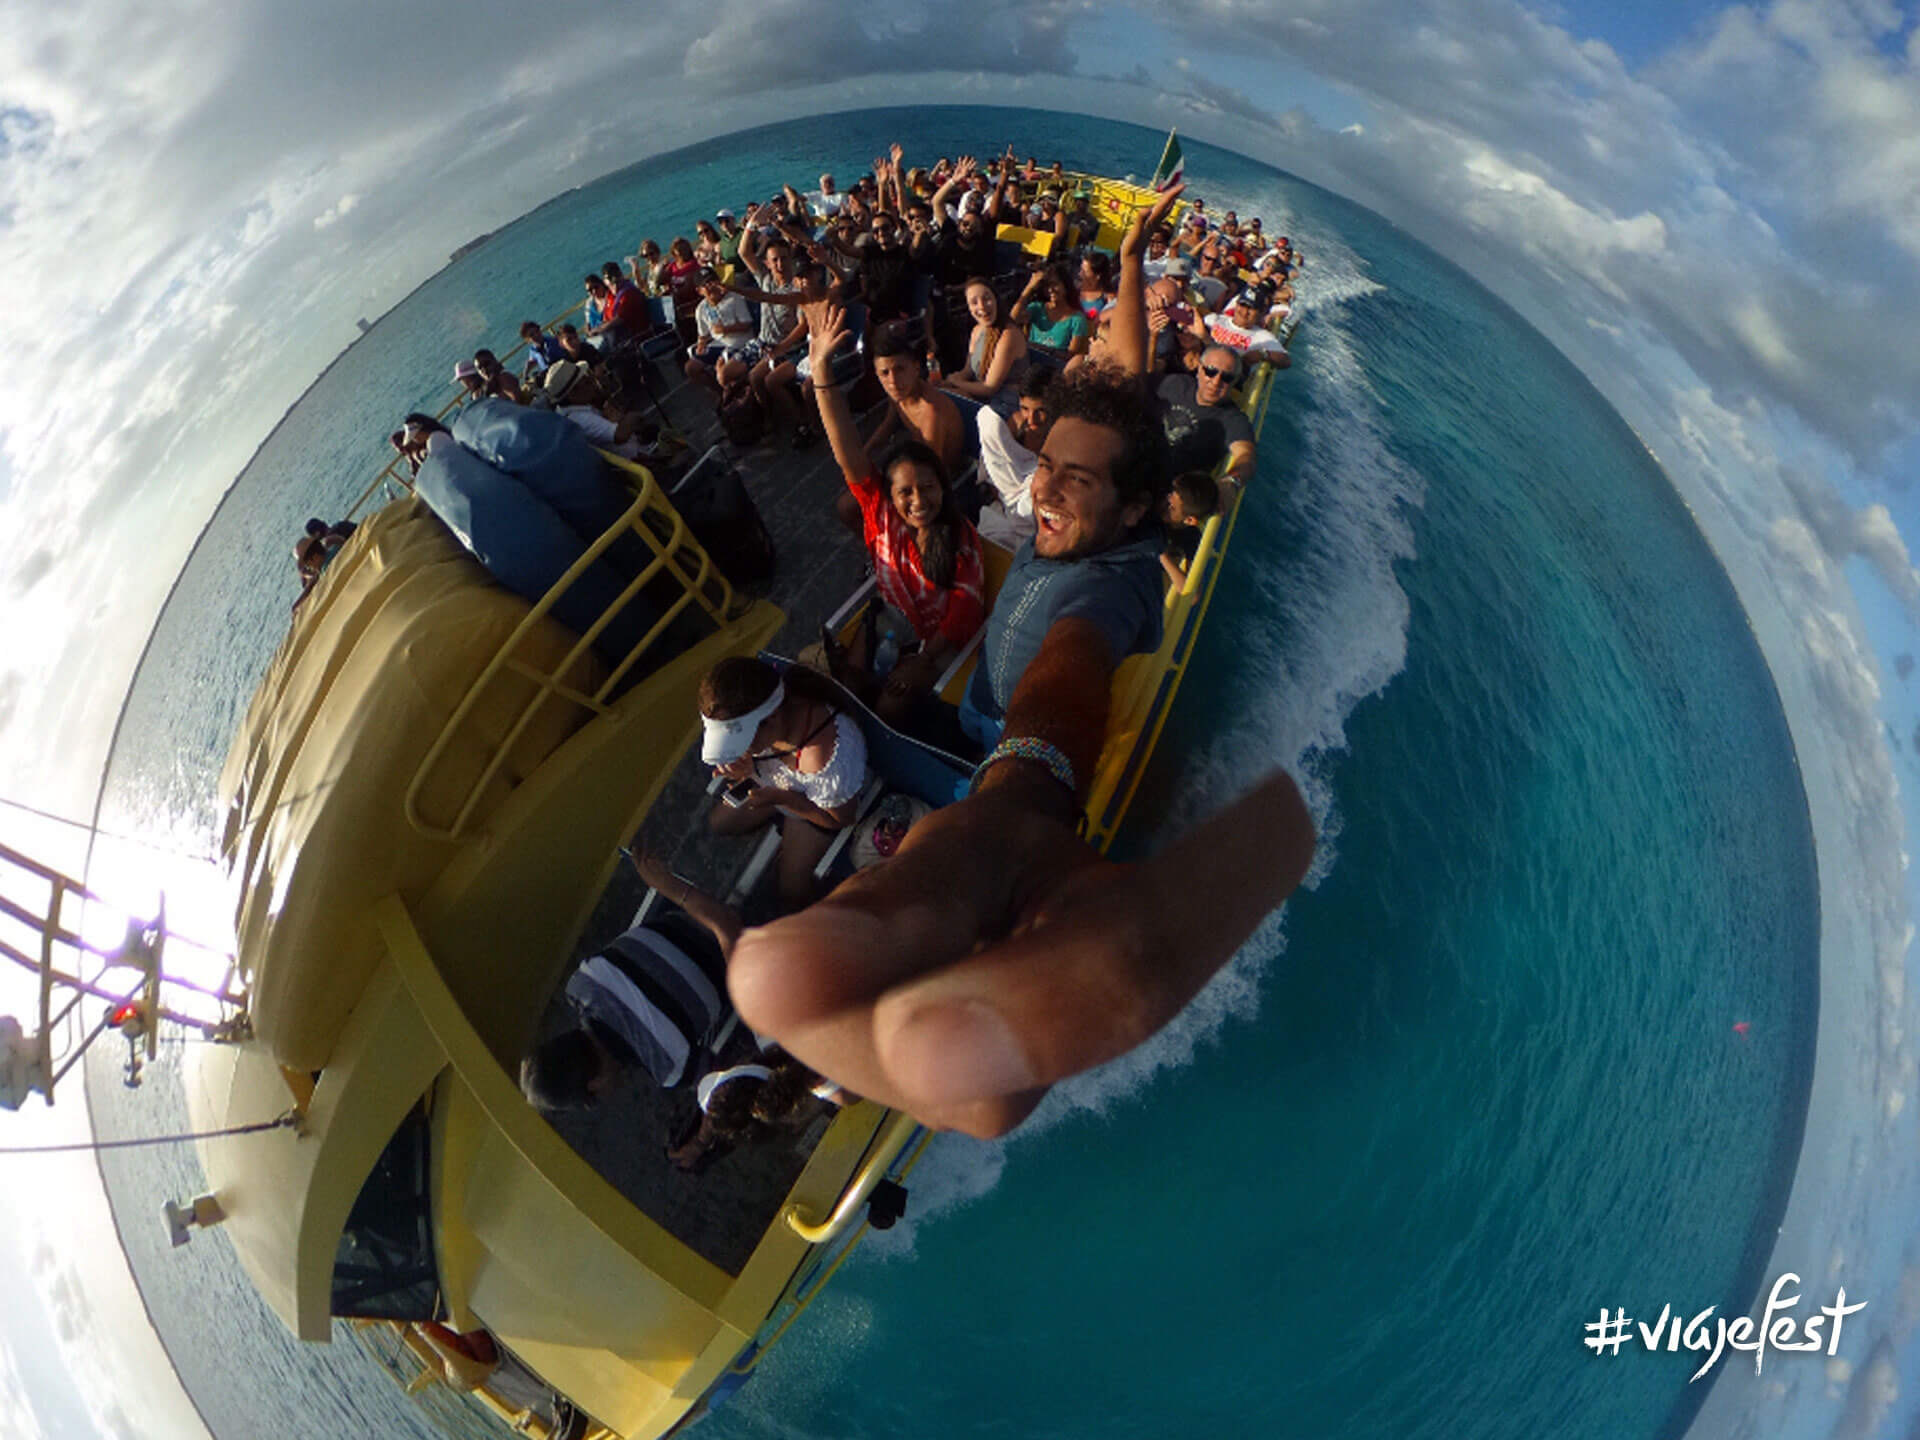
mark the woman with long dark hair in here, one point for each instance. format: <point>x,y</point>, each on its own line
<point>926,557</point>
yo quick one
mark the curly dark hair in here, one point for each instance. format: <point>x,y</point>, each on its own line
<point>1103,396</point>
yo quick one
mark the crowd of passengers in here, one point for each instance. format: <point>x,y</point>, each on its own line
<point>1100,389</point>
<point>963,352</point>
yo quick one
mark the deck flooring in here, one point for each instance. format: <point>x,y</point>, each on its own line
<point>722,1213</point>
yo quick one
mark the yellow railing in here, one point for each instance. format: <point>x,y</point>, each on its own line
<point>806,1287</point>
<point>894,1136</point>
<point>677,557</point>
<point>1145,686</point>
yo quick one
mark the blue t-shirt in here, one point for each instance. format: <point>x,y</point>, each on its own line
<point>1120,590</point>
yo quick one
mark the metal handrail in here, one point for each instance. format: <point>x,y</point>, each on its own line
<point>1150,682</point>
<point>548,683</point>
<point>894,1137</point>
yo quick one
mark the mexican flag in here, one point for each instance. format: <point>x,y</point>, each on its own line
<point>1167,173</point>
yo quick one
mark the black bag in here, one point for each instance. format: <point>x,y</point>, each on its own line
<point>742,417</point>
<point>714,502</point>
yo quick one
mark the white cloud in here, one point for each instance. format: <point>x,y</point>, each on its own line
<point>1755,194</point>
<point>18,1418</point>
<point>339,210</point>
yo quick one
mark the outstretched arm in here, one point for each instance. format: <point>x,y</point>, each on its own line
<point>1128,341</point>
<point>898,176</point>
<point>750,241</point>
<point>999,192</point>
<point>996,954</point>
<point>827,327</point>
<point>720,918</point>
<point>961,174</point>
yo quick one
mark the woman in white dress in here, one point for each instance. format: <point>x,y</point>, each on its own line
<point>789,753</point>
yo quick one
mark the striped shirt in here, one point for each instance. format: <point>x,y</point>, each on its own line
<point>659,991</point>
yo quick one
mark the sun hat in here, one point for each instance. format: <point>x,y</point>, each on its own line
<point>464,369</point>
<point>561,375</point>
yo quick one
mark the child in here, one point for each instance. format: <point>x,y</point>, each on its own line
<point>1192,499</point>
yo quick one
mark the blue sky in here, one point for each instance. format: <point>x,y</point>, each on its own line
<point>1712,209</point>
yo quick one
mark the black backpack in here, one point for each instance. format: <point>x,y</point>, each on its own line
<point>743,419</point>
<point>714,502</point>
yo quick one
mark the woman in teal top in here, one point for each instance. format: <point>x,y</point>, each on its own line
<point>1055,320</point>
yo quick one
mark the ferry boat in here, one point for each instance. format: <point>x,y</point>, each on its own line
<point>425,809</point>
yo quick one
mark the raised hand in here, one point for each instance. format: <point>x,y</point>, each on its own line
<point>1145,222</point>
<point>826,330</point>
<point>895,154</point>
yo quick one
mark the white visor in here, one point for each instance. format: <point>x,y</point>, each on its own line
<point>727,740</point>
<point>715,1079</point>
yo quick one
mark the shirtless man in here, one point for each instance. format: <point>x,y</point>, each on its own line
<point>925,410</point>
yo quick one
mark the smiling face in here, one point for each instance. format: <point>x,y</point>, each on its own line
<point>1076,508</point>
<point>983,304</point>
<point>916,493</point>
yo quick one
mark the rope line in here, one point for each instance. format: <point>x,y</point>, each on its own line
<point>153,846</point>
<point>292,1117</point>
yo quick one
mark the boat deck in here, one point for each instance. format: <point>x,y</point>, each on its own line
<point>722,1212</point>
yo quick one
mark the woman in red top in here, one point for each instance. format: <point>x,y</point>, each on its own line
<point>926,557</point>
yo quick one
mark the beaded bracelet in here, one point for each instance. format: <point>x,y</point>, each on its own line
<point>1026,747</point>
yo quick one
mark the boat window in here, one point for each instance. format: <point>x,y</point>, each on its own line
<point>384,1268</point>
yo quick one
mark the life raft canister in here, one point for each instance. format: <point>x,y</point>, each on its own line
<point>465,1360</point>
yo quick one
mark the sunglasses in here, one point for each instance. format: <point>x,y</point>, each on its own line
<point>1214,372</point>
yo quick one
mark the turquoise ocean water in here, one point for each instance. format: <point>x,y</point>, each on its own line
<point>1478,1082</point>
